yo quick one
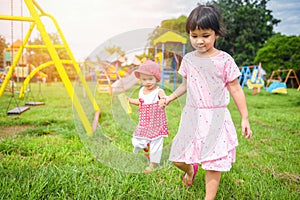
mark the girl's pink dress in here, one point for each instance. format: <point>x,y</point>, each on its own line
<point>206,133</point>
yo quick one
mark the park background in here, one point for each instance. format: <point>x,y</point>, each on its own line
<point>44,156</point>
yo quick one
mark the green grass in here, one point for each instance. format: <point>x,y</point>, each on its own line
<point>44,154</point>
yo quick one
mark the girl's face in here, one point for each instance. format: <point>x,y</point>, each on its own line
<point>203,40</point>
<point>148,81</point>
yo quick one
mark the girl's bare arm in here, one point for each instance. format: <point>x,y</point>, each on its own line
<point>239,98</point>
<point>178,92</point>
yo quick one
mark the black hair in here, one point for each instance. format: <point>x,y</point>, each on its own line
<point>205,17</point>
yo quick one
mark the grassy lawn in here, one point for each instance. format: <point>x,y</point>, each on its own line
<point>45,154</point>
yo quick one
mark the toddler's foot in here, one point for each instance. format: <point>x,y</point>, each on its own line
<point>148,170</point>
<point>147,155</point>
<point>147,148</point>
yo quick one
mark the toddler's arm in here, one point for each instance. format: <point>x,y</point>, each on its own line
<point>134,101</point>
<point>240,100</point>
<point>161,96</point>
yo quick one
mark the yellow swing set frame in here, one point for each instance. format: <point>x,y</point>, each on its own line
<point>36,13</point>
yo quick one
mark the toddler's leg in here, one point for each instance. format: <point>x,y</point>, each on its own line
<point>139,144</point>
<point>212,180</point>
<point>156,147</point>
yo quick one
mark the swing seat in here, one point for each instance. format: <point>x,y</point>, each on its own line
<point>18,110</point>
<point>32,103</point>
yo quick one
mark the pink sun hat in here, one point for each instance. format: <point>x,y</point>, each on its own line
<point>149,67</point>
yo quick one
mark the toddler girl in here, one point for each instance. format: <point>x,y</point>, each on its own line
<point>152,127</point>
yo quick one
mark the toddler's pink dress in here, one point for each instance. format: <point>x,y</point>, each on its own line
<point>206,133</point>
<point>152,121</point>
<point>152,126</point>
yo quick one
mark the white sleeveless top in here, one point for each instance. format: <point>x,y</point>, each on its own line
<point>152,97</point>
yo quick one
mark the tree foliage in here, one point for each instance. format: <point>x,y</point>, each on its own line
<point>280,52</point>
<point>114,49</point>
<point>249,24</point>
<point>175,24</point>
<point>38,56</point>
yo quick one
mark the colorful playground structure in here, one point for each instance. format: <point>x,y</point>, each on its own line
<point>277,88</point>
<point>169,38</point>
<point>115,72</point>
<point>253,78</point>
<point>36,12</point>
<point>275,83</point>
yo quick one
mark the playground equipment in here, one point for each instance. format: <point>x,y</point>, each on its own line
<point>36,13</point>
<point>276,76</point>
<point>256,82</point>
<point>168,38</point>
<point>21,70</point>
<point>108,72</point>
<point>253,79</point>
<point>277,87</point>
<point>104,83</point>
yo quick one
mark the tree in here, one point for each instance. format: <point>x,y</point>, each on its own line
<point>280,52</point>
<point>38,56</point>
<point>2,48</point>
<point>114,49</point>
<point>176,25</point>
<point>249,24</point>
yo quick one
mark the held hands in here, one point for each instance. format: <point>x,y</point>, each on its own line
<point>164,101</point>
<point>246,131</point>
<point>167,100</point>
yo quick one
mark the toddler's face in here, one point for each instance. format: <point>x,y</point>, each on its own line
<point>148,81</point>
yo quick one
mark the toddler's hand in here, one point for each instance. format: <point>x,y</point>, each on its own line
<point>128,99</point>
<point>166,100</point>
<point>161,102</point>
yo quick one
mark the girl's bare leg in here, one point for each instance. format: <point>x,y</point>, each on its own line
<point>187,168</point>
<point>212,180</point>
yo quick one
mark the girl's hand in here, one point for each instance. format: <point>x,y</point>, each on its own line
<point>166,100</point>
<point>246,131</point>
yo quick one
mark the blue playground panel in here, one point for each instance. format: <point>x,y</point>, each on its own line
<point>248,74</point>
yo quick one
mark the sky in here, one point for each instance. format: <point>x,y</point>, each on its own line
<point>86,24</point>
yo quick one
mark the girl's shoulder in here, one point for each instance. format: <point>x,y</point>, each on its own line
<point>189,54</point>
<point>223,55</point>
